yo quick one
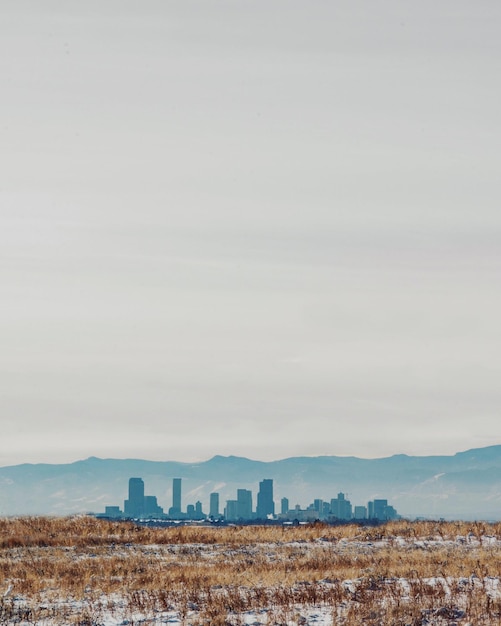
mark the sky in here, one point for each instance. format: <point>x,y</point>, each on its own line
<point>261,228</point>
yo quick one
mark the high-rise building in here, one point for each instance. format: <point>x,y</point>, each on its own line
<point>360,512</point>
<point>380,509</point>
<point>199,514</point>
<point>134,506</point>
<point>244,506</point>
<point>341,507</point>
<point>284,506</point>
<point>265,503</point>
<point>151,508</point>
<point>214,505</point>
<point>176,497</point>
<point>231,510</point>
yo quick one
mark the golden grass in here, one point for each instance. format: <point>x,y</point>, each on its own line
<point>222,572</point>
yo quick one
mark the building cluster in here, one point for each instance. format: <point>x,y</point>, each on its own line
<point>140,506</point>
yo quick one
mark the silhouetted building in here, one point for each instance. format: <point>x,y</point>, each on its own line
<point>214,505</point>
<point>284,506</point>
<point>341,507</point>
<point>151,508</point>
<point>134,506</point>
<point>391,513</point>
<point>360,512</point>
<point>381,510</point>
<point>176,497</point>
<point>244,504</point>
<point>112,511</point>
<point>199,514</point>
<point>231,510</point>
<point>265,503</point>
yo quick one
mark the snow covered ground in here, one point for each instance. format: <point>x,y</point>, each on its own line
<point>369,598</point>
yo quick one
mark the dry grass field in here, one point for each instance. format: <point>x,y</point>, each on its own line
<point>85,571</point>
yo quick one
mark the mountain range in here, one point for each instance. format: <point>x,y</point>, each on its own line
<point>466,485</point>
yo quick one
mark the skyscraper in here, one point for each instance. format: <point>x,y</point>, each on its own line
<point>176,497</point>
<point>341,507</point>
<point>214,505</point>
<point>231,510</point>
<point>244,507</point>
<point>265,504</point>
<point>134,506</point>
<point>284,506</point>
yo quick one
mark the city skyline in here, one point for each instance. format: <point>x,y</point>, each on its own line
<point>460,485</point>
<point>142,507</point>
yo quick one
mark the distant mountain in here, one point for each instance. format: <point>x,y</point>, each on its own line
<point>466,485</point>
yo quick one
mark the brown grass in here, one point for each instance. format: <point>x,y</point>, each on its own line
<point>220,573</point>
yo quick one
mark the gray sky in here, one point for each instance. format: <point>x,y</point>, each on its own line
<point>263,228</point>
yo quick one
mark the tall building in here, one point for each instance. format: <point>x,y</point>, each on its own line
<point>341,507</point>
<point>151,508</point>
<point>214,505</point>
<point>176,497</point>
<point>244,504</point>
<point>360,512</point>
<point>380,509</point>
<point>231,510</point>
<point>134,506</point>
<point>284,506</point>
<point>199,514</point>
<point>265,504</point>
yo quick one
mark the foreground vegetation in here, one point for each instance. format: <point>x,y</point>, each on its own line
<point>82,570</point>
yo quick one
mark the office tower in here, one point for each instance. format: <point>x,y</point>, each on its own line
<point>176,496</point>
<point>341,507</point>
<point>151,508</point>
<point>344,505</point>
<point>231,510</point>
<point>214,505</point>
<point>380,509</point>
<point>360,512</point>
<point>265,504</point>
<point>284,506</point>
<point>244,506</point>
<point>190,511</point>
<point>199,514</point>
<point>318,505</point>
<point>391,513</point>
<point>134,506</point>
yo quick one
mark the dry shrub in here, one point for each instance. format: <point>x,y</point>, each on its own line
<point>222,572</point>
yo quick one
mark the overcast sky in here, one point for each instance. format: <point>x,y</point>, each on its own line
<point>265,228</point>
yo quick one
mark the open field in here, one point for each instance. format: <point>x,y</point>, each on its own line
<point>92,572</point>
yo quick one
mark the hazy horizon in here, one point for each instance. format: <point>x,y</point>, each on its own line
<point>249,458</point>
<point>265,229</point>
